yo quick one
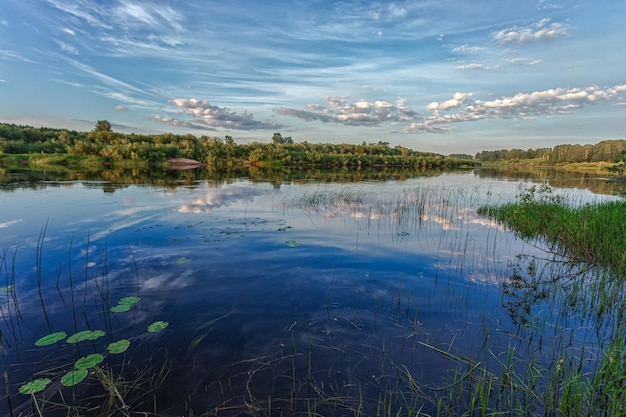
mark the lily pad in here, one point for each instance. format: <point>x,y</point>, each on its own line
<point>74,377</point>
<point>118,347</point>
<point>404,234</point>
<point>182,261</point>
<point>89,361</point>
<point>35,386</point>
<point>85,335</point>
<point>158,326</point>
<point>292,243</point>
<point>7,288</point>
<point>121,308</point>
<point>129,301</point>
<point>51,339</point>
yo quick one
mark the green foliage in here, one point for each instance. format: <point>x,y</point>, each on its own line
<point>51,339</point>
<point>158,326</point>
<point>74,377</point>
<point>603,151</point>
<point>85,335</point>
<point>89,361</point>
<point>118,347</point>
<point>35,386</point>
<point>594,234</point>
<point>282,151</point>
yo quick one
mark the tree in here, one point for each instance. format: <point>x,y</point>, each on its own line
<point>103,126</point>
<point>278,139</point>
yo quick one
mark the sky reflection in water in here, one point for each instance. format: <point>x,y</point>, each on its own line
<point>377,268</point>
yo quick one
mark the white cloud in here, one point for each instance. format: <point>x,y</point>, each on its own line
<point>522,61</point>
<point>360,113</point>
<point>467,48</point>
<point>476,67</point>
<point>543,30</point>
<point>546,103</point>
<point>9,223</point>
<point>206,116</point>
<point>14,56</point>
<point>65,47</point>
<point>121,108</point>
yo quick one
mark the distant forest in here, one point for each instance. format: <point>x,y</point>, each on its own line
<point>604,151</point>
<point>103,142</point>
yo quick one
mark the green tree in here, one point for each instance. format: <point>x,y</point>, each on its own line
<point>278,139</point>
<point>103,126</point>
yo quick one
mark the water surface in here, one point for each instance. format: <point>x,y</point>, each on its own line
<point>280,295</point>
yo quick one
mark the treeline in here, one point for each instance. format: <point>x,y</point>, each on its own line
<point>112,146</point>
<point>604,151</point>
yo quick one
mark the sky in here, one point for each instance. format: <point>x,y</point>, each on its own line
<point>447,76</point>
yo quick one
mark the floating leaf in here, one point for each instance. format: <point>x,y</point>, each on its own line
<point>404,234</point>
<point>85,335</point>
<point>129,301</point>
<point>89,361</point>
<point>35,386</point>
<point>182,261</point>
<point>158,326</point>
<point>121,308</point>
<point>7,288</point>
<point>73,377</point>
<point>291,243</point>
<point>51,339</point>
<point>118,347</point>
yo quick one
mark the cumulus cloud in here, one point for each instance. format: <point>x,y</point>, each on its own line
<point>544,30</point>
<point>520,106</point>
<point>360,113</point>
<point>208,116</point>
<point>121,108</point>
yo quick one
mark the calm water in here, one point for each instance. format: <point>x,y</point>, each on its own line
<point>278,295</point>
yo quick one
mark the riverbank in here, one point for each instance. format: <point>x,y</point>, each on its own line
<point>585,167</point>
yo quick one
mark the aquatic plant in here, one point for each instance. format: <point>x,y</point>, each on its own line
<point>118,347</point>
<point>35,386</point>
<point>158,326</point>
<point>84,335</point>
<point>50,339</point>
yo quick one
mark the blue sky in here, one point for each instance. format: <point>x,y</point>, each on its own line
<point>445,76</point>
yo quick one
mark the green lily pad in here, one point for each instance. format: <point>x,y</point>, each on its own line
<point>118,347</point>
<point>121,308</point>
<point>89,361</point>
<point>35,386</point>
<point>85,335</point>
<point>74,377</point>
<point>292,243</point>
<point>404,234</point>
<point>7,288</point>
<point>182,261</point>
<point>129,301</point>
<point>51,339</point>
<point>158,326</point>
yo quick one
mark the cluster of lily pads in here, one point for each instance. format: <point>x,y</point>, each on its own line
<point>82,365</point>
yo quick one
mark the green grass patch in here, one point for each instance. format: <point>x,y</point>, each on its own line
<point>592,233</point>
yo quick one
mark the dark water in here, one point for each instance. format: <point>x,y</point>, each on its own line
<point>283,295</point>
